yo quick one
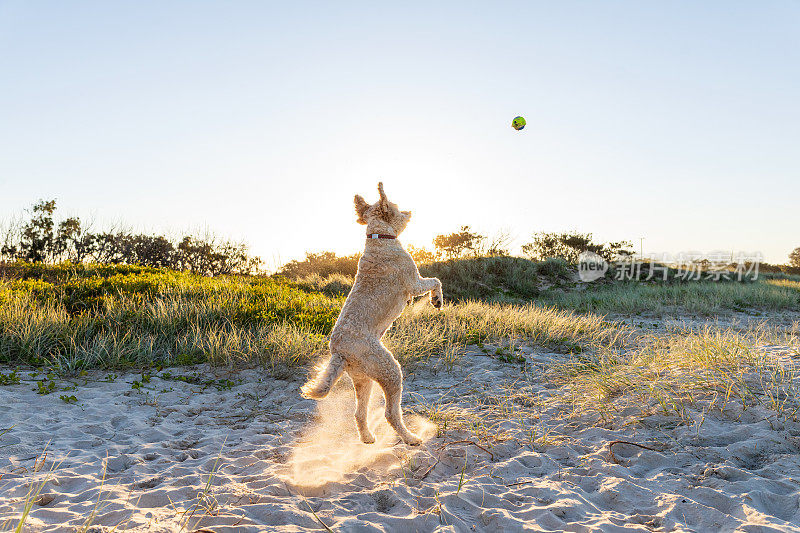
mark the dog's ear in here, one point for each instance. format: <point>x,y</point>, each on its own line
<point>361,208</point>
<point>383,202</point>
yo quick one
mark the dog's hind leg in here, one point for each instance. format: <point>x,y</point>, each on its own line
<point>385,369</point>
<point>363,386</point>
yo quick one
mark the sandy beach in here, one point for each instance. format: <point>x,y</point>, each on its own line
<point>238,451</point>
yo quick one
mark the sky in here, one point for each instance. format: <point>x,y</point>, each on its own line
<point>673,122</point>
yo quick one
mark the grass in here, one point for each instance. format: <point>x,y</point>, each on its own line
<point>792,284</point>
<point>331,286</point>
<point>34,490</point>
<point>74,317</point>
<point>205,500</point>
<point>69,318</point>
<point>552,283</point>
<point>702,298</point>
<point>422,331</point>
<point>83,318</point>
<point>670,373</point>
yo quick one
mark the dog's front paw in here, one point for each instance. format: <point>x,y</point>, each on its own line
<point>367,438</point>
<point>436,300</point>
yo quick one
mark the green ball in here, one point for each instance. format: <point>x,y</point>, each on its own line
<point>518,123</point>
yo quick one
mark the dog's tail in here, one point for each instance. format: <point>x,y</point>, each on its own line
<point>324,380</point>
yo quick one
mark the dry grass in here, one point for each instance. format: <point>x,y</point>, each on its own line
<point>332,286</point>
<point>671,373</point>
<point>422,331</point>
<point>788,283</point>
<point>173,329</point>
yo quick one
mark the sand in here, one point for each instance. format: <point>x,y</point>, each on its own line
<point>250,454</point>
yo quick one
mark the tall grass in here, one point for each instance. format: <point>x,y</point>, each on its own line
<point>670,373</point>
<point>92,317</point>
<point>785,282</point>
<point>422,331</point>
<point>78,316</point>
<point>705,298</point>
<point>154,316</point>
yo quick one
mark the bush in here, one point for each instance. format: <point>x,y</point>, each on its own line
<point>323,264</point>
<point>569,245</point>
<point>794,258</point>
<point>421,256</point>
<point>457,244</point>
<point>554,268</point>
<point>485,278</point>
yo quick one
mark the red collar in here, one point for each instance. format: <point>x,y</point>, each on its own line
<point>379,236</point>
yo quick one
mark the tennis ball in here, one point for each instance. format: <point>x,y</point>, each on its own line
<point>518,123</point>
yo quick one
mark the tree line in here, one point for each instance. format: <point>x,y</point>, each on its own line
<point>464,243</point>
<point>42,238</point>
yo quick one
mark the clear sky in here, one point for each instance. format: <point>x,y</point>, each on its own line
<point>678,122</point>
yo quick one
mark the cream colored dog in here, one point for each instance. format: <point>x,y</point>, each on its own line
<point>387,279</point>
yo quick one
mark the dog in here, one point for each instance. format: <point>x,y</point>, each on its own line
<point>386,281</point>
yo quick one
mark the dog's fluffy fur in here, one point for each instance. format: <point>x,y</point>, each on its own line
<point>387,279</point>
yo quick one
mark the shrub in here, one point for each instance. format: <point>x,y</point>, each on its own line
<point>554,268</point>
<point>794,258</point>
<point>323,264</point>
<point>485,278</point>
<point>456,244</point>
<point>569,245</point>
<point>333,286</point>
<point>421,256</point>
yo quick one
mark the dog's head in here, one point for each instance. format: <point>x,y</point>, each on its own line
<point>383,216</point>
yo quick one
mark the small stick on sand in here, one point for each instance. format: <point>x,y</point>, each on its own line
<point>520,483</point>
<point>613,442</point>
<point>491,455</point>
<point>428,471</point>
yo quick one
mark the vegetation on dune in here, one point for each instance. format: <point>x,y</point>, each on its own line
<point>496,278</point>
<point>569,245</point>
<point>474,267</point>
<point>77,316</point>
<point>553,283</point>
<point>71,316</point>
